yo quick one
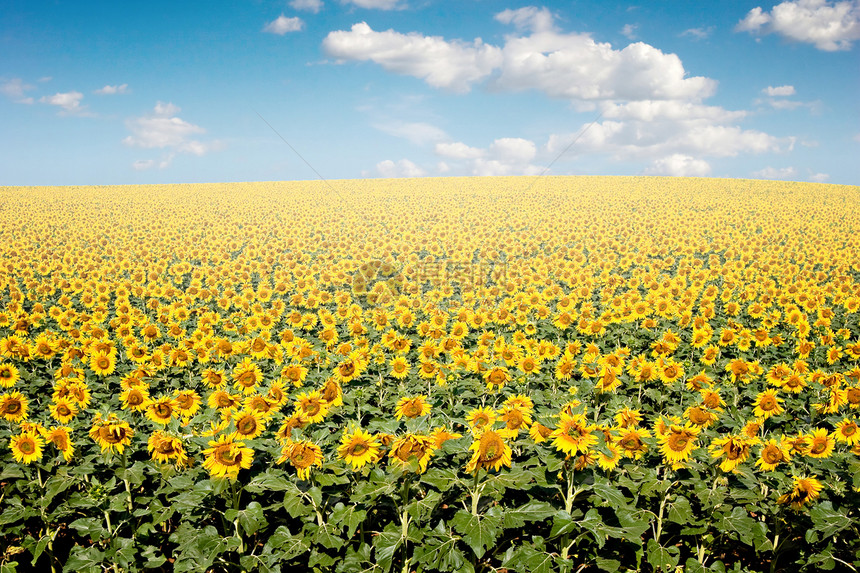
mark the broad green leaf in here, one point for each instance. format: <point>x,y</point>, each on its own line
<point>478,531</point>
<point>609,493</point>
<point>740,522</point>
<point>610,565</point>
<point>527,559</point>
<point>268,481</point>
<point>250,519</point>
<point>531,511</point>
<point>661,558</point>
<point>827,520</point>
<point>88,527</point>
<point>84,560</point>
<point>348,516</point>
<point>384,545</point>
<point>680,511</point>
<point>286,545</point>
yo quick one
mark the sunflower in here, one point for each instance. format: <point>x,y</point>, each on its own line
<point>302,456</point>
<point>226,457</point>
<point>59,436</point>
<point>573,434</point>
<point>490,452</point>
<point>609,460</point>
<point>677,444</point>
<point>26,447</point>
<point>295,374</point>
<point>165,448</point>
<point>103,364</point>
<point>246,376</point>
<point>399,368</point>
<point>332,392</point>
<point>161,410</point>
<point>8,375</point>
<point>285,432</point>
<point>440,435</point>
<point>412,407</point>
<point>358,448</point>
<point>700,417</point>
<point>249,424</point>
<point>187,402</point>
<point>846,432</point>
<point>111,433</point>
<point>412,447</point>
<point>628,418</point>
<point>515,419</point>
<point>767,404</point>
<point>773,453</point>
<point>481,418</point>
<point>669,371</point>
<point>630,443</point>
<point>135,398</point>
<point>63,410</point>
<point>734,450</point>
<point>13,406</point>
<point>223,400</point>
<point>804,490</point>
<point>820,444</point>
<point>520,401</point>
<point>312,406</point>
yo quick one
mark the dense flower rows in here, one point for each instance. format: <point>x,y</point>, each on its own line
<point>705,331</point>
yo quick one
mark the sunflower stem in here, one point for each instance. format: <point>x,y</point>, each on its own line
<point>404,521</point>
<point>125,481</point>
<point>476,493</point>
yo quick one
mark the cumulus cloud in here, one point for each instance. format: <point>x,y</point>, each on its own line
<point>564,65</point>
<point>163,129</point>
<point>775,173</point>
<point>313,6</point>
<point>16,90</point>
<point>281,25</point>
<point>504,156</point>
<point>819,177</point>
<point>442,64</point>
<point>68,102</point>
<point>779,91</point>
<point>679,165</point>
<point>419,133</point>
<point>111,90</point>
<point>829,26</point>
<point>402,168</point>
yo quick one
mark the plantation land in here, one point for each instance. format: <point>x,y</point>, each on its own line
<point>459,374</point>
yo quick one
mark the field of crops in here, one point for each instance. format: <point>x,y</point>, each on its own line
<point>460,374</point>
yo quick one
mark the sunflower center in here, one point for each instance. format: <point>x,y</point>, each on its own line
<point>767,403</point>
<point>27,447</point>
<point>225,456</point>
<point>12,407</point>
<point>358,449</point>
<point>819,445</point>
<point>771,455</point>
<point>247,425</point>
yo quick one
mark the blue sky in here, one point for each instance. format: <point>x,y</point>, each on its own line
<point>171,92</point>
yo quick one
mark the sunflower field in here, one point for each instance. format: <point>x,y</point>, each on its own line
<point>459,374</point>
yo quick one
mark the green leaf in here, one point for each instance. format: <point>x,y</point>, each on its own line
<point>680,511</point>
<point>268,481</point>
<point>84,560</point>
<point>611,494</point>
<point>421,509</point>
<point>827,520</point>
<point>286,545</point>
<point>15,513</point>
<point>528,559</point>
<point>610,565</point>
<point>385,545</point>
<point>88,527</point>
<point>440,552</point>
<point>325,535</point>
<point>250,519</point>
<point>740,522</point>
<point>661,558</point>
<point>348,516</point>
<point>295,503</point>
<point>368,492</point>
<point>152,557</point>
<point>531,511</point>
<point>478,531</point>
<point>441,479</point>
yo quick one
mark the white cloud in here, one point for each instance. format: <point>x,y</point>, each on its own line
<point>779,91</point>
<point>163,129</point>
<point>402,168</point>
<point>629,31</point>
<point>698,33</point>
<point>70,102</point>
<point>16,90</point>
<point>679,165</point>
<point>111,90</point>
<point>775,173</point>
<point>419,133</point>
<point>829,26</point>
<point>570,66</point>
<point>528,18</point>
<point>281,25</point>
<point>450,65</point>
<point>313,6</point>
<point>504,156</point>
<point>458,150</point>
<point>375,4</point>
<point>819,177</point>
